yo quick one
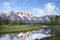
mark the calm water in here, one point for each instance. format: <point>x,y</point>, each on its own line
<point>30,35</point>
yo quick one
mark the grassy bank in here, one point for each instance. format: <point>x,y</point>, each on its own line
<point>51,38</point>
<point>17,28</point>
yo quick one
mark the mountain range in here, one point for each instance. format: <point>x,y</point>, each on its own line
<point>24,16</point>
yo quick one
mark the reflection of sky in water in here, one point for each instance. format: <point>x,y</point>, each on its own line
<point>7,38</point>
<point>34,36</point>
<point>18,38</point>
<point>0,38</point>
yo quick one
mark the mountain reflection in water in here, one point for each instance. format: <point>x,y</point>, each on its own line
<point>30,35</point>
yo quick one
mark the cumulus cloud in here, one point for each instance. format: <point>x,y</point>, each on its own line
<point>49,9</point>
<point>6,5</point>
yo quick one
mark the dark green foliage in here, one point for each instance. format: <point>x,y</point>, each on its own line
<point>57,20</point>
<point>37,39</point>
<point>53,21</point>
<point>10,22</point>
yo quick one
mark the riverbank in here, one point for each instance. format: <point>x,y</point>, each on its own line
<point>51,38</point>
<point>56,30</point>
<point>18,28</point>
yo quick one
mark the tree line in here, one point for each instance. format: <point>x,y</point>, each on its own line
<point>10,22</point>
<point>53,21</point>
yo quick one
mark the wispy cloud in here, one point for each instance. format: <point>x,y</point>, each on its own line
<point>6,5</point>
<point>38,9</point>
<point>49,9</point>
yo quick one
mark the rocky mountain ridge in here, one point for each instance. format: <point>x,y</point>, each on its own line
<point>24,16</point>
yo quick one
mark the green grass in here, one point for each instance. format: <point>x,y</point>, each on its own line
<point>51,38</point>
<point>18,28</point>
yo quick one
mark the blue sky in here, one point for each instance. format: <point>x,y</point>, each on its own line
<point>35,7</point>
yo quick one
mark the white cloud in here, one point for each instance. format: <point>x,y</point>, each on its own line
<point>49,9</point>
<point>57,9</point>
<point>6,5</point>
